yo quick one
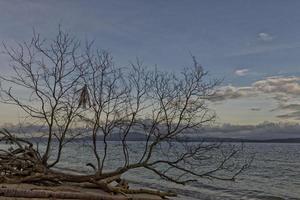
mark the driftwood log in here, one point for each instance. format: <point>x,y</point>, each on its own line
<point>22,193</point>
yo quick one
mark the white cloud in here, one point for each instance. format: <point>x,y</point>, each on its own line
<point>241,72</point>
<point>278,84</point>
<point>265,37</point>
<point>284,90</point>
<point>280,87</point>
<point>232,92</point>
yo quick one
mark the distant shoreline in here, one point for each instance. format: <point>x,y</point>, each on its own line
<point>210,139</point>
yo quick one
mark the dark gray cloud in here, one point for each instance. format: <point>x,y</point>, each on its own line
<point>255,109</point>
<point>290,107</point>
<point>266,130</point>
<point>293,108</point>
<point>293,115</point>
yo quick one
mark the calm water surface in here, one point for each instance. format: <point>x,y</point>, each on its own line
<point>275,174</point>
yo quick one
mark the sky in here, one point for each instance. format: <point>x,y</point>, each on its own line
<point>253,45</point>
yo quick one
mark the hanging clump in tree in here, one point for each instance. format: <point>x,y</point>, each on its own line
<point>84,99</point>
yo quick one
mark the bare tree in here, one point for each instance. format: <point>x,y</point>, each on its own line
<point>47,74</point>
<point>163,106</point>
<point>67,84</point>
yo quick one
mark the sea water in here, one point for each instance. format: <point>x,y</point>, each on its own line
<point>274,172</point>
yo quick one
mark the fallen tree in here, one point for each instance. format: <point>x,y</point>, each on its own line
<point>23,164</point>
<point>71,88</point>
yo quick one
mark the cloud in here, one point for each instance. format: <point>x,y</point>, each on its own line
<point>290,107</point>
<point>265,130</point>
<point>294,109</point>
<point>265,37</point>
<point>241,72</point>
<point>279,88</point>
<point>231,92</point>
<point>283,85</point>
<point>282,97</point>
<point>282,88</point>
<point>255,109</point>
<point>292,115</point>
